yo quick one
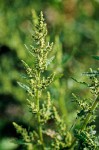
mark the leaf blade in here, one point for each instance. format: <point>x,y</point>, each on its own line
<point>24,86</point>
<point>96,57</point>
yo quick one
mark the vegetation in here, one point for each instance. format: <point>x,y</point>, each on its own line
<point>73,27</point>
<point>55,135</point>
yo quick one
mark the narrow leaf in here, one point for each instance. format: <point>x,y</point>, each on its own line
<point>25,64</point>
<point>28,49</point>
<point>96,57</point>
<point>50,60</point>
<point>91,74</point>
<point>25,76</point>
<point>24,86</point>
<point>84,83</point>
<point>20,142</point>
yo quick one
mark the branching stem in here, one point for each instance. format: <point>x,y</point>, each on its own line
<point>94,105</point>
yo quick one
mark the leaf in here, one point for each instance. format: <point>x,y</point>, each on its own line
<point>28,50</point>
<point>26,47</point>
<point>20,142</point>
<point>96,57</point>
<point>84,83</point>
<point>91,74</point>
<point>24,76</point>
<point>50,60</point>
<point>25,64</point>
<point>24,86</point>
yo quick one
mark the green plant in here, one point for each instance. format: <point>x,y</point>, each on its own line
<point>50,130</point>
<point>84,135</point>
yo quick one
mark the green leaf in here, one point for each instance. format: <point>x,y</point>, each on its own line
<point>24,86</point>
<point>96,57</point>
<point>25,64</point>
<point>50,60</point>
<point>84,83</point>
<point>24,76</point>
<point>28,50</point>
<point>20,142</point>
<point>91,74</point>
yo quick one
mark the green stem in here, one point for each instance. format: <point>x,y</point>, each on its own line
<point>94,105</point>
<point>38,115</point>
<point>89,115</point>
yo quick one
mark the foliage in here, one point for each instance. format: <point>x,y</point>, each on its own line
<point>57,135</point>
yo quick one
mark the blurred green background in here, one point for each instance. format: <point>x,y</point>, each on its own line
<point>73,25</point>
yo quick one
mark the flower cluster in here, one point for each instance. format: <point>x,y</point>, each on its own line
<point>43,111</point>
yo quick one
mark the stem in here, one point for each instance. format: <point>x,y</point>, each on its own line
<point>38,114</point>
<point>89,115</point>
<point>94,105</point>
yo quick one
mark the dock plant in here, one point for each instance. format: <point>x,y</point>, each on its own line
<point>50,131</point>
